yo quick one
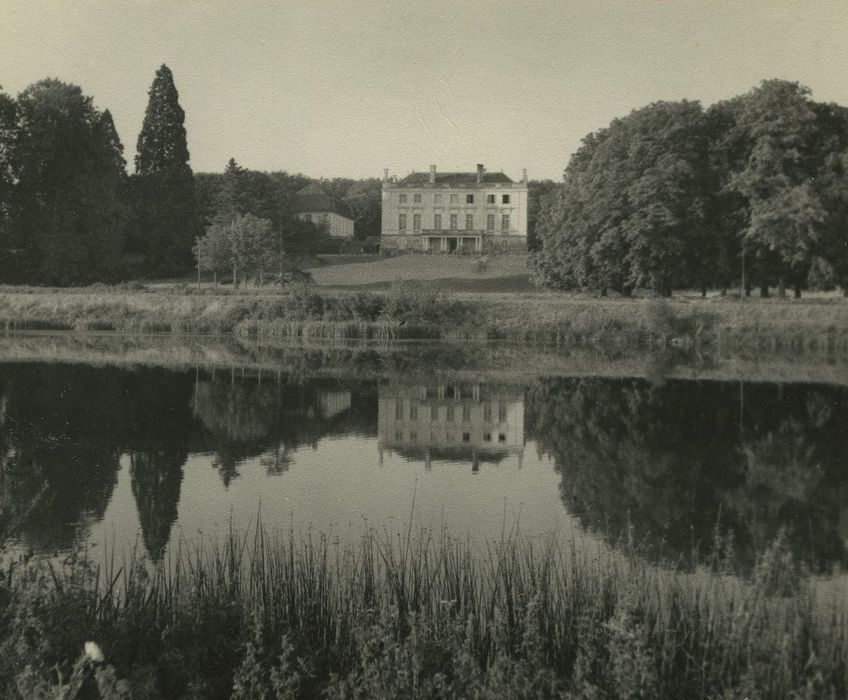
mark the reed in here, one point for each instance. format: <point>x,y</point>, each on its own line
<point>265,613</point>
<point>410,312</point>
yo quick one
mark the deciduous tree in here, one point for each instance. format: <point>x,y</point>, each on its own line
<point>68,168</point>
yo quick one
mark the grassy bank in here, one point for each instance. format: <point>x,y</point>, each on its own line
<point>409,311</point>
<point>502,363</point>
<point>272,615</point>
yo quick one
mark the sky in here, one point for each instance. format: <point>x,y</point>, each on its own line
<point>345,89</point>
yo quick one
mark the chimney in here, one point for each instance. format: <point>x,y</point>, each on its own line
<point>524,176</point>
<point>432,174</point>
<point>385,174</point>
<point>479,172</point>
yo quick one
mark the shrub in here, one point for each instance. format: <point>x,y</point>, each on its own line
<point>415,304</point>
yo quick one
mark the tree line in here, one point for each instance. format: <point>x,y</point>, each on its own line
<point>250,227</point>
<point>751,191</point>
<point>71,214</point>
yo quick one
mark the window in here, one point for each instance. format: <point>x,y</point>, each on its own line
<point>416,223</point>
<point>466,413</point>
<point>453,222</point>
<point>490,222</point>
<point>434,412</point>
<point>398,435</point>
<point>490,199</point>
<point>505,222</point>
<point>454,199</point>
<point>466,437</point>
<point>469,222</point>
<point>402,198</point>
<point>487,437</point>
<point>437,222</point>
<point>416,199</point>
<point>402,222</point>
<point>487,412</point>
<point>450,413</point>
<point>504,199</point>
<point>437,199</point>
<point>469,199</point>
<point>413,412</point>
<point>413,437</point>
<point>502,413</point>
<point>501,437</point>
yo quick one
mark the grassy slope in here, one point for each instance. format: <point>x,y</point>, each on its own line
<point>454,273</point>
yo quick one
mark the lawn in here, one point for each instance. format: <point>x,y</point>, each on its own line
<point>504,273</point>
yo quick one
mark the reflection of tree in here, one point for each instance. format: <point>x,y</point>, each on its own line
<point>58,465</point>
<point>243,417</point>
<point>670,462</point>
<point>276,460</point>
<point>790,479</point>
<point>156,479</point>
<point>62,432</point>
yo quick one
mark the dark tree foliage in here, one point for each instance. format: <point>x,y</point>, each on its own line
<point>271,195</point>
<point>540,196</point>
<point>365,200</point>
<point>7,133</point>
<point>165,220</point>
<point>64,213</point>
<point>635,198</point>
<point>671,196</point>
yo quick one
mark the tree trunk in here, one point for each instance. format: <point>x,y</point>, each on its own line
<point>603,291</point>
<point>748,290</point>
<point>215,278</point>
<point>627,292</point>
<point>797,288</point>
<point>704,291</point>
<point>724,291</point>
<point>764,291</point>
<point>781,288</point>
<point>235,277</point>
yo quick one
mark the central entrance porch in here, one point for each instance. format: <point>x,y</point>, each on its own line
<point>453,242</point>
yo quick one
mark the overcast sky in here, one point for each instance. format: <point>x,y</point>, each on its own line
<point>348,88</point>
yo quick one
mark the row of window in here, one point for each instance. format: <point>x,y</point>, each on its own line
<point>454,198</point>
<point>466,412</point>
<point>466,437</point>
<point>453,222</point>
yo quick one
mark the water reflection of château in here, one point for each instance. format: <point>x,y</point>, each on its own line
<point>474,423</point>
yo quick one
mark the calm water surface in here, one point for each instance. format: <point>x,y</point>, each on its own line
<point>147,456</point>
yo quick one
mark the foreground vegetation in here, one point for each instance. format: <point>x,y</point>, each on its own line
<point>424,615</point>
<point>407,311</point>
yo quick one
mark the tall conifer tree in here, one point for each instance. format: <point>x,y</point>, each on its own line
<point>165,207</point>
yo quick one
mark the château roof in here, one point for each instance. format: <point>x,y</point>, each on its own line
<point>458,179</point>
<point>313,199</point>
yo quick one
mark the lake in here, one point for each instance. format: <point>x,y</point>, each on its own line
<point>116,457</point>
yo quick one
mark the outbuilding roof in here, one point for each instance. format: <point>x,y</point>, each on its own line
<point>313,199</point>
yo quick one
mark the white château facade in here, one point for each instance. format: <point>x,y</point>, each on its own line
<point>456,212</point>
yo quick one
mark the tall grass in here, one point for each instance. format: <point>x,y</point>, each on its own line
<point>270,614</point>
<point>410,311</point>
